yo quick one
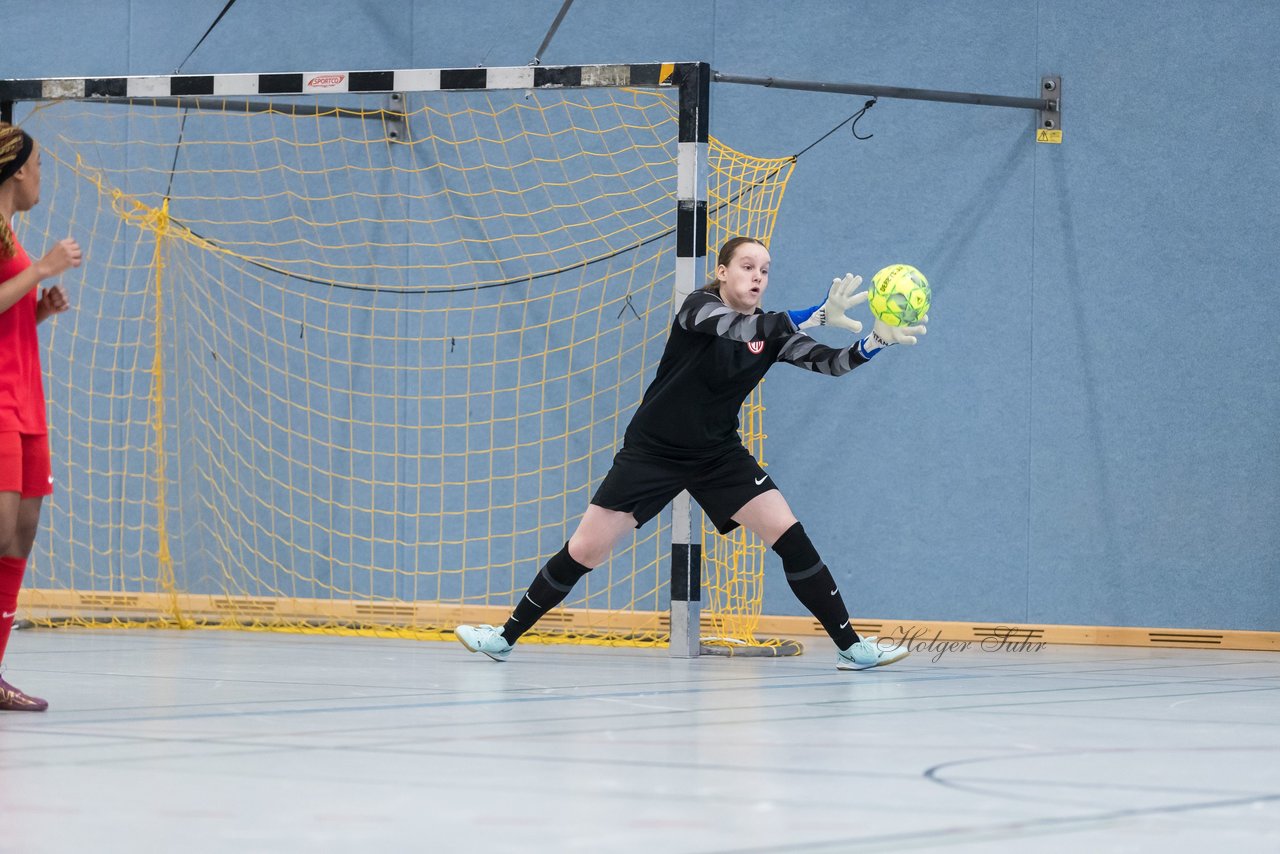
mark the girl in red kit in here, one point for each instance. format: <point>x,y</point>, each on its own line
<point>25,477</point>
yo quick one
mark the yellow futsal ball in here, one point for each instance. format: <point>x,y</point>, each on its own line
<point>899,295</point>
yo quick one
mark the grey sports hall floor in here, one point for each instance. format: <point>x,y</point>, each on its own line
<point>217,741</point>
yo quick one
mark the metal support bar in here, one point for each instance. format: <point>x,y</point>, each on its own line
<point>1046,104</point>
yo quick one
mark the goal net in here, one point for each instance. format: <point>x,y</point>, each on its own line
<point>356,362</point>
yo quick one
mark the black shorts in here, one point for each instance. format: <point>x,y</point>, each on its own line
<point>642,484</point>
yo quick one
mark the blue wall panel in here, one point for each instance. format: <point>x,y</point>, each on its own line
<point>1089,434</point>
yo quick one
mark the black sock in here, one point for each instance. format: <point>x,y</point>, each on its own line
<point>813,585</point>
<point>552,583</point>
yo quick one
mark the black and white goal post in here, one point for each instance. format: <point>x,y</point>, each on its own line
<point>691,250</point>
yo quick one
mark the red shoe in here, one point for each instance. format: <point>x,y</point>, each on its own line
<point>13,700</point>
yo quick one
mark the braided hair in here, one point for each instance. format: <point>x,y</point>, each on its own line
<point>15,148</point>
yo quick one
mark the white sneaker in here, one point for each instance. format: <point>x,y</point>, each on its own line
<point>486,639</point>
<point>870,652</point>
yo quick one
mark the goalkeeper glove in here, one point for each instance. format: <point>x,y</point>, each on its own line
<point>883,335</point>
<point>840,298</point>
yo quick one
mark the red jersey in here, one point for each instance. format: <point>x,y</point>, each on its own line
<point>21,385</point>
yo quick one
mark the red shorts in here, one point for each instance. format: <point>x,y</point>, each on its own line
<point>24,464</point>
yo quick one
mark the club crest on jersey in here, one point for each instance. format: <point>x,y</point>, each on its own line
<point>755,346</point>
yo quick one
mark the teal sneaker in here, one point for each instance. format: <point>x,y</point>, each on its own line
<point>486,639</point>
<point>870,652</point>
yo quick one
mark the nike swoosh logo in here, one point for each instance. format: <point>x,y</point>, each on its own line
<point>845,623</point>
<point>835,591</point>
<point>8,614</point>
<point>762,480</point>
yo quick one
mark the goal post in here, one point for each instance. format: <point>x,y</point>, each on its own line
<point>350,350</point>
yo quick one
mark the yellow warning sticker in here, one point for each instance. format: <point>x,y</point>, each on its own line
<point>1054,136</point>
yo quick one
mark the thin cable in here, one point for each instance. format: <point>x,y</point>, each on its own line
<point>546,40</point>
<point>224,11</point>
<point>851,118</point>
<point>177,148</point>
<point>796,156</point>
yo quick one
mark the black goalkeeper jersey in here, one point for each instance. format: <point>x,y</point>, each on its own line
<point>713,359</point>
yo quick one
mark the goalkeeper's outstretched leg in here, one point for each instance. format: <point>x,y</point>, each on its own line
<point>597,533</point>
<point>769,517</point>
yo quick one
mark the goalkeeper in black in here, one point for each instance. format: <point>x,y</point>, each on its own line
<point>684,435</point>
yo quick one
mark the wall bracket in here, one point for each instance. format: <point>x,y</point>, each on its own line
<point>1049,117</point>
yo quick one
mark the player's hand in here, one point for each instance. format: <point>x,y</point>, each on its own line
<point>54,301</point>
<point>842,296</point>
<point>64,255</point>
<point>900,334</point>
<point>883,335</point>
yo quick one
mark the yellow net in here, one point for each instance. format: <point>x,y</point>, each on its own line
<point>317,379</point>
<point>743,197</point>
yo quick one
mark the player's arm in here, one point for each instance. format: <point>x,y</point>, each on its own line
<point>842,296</point>
<point>802,351</point>
<point>64,255</point>
<point>15,287</point>
<point>706,313</point>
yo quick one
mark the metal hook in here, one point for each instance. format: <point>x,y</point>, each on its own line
<point>858,115</point>
<point>628,305</point>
